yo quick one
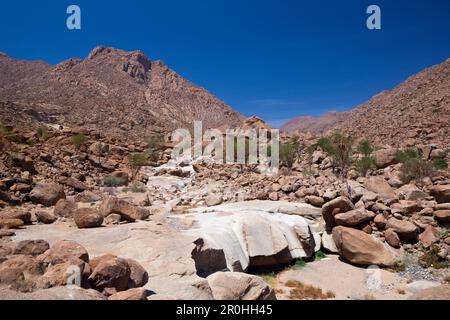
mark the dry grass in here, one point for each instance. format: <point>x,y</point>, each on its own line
<point>301,291</point>
<point>401,291</point>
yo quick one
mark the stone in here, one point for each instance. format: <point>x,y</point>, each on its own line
<point>442,216</point>
<point>130,294</point>
<point>411,192</point>
<point>64,250</point>
<point>441,193</point>
<point>335,206</point>
<point>31,247</point>
<point>126,210</point>
<point>239,286</point>
<point>45,217</point>
<point>380,221</point>
<point>360,248</point>
<point>380,186</point>
<point>385,157</point>
<point>74,183</point>
<point>61,274</point>
<point>429,236</point>
<point>120,176</point>
<point>273,196</point>
<point>10,223</point>
<point>5,251</point>
<point>353,218</point>
<point>213,200</point>
<point>21,271</point>
<point>24,216</point>
<point>88,218</point>
<point>407,231</point>
<point>70,292</point>
<point>441,292</point>
<point>315,201</point>
<point>210,258</point>
<point>276,187</point>
<point>392,238</point>
<point>47,194</point>
<point>65,208</point>
<point>138,275</point>
<point>113,219</point>
<point>328,242</point>
<point>438,154</point>
<point>406,207</point>
<point>111,273</point>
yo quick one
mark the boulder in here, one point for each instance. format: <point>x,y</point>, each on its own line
<point>361,248</point>
<point>21,271</point>
<point>45,217</point>
<point>406,230</point>
<point>130,294</point>
<point>210,258</point>
<point>406,207</point>
<point>385,157</point>
<point>10,223</point>
<point>111,273</point>
<point>438,154</point>
<point>63,251</point>
<point>126,210</point>
<point>441,193</point>
<point>335,206</point>
<point>24,216</point>
<point>380,221</point>
<point>411,192</point>
<point>328,242</point>
<point>392,238</point>
<point>121,177</point>
<point>380,186</point>
<point>31,247</point>
<point>138,275</point>
<point>65,208</point>
<point>353,218</point>
<point>239,286</point>
<point>47,194</point>
<point>429,236</point>
<point>77,185</point>
<point>88,218</point>
<point>113,219</point>
<point>213,200</point>
<point>74,271</point>
<point>315,200</point>
<point>442,216</point>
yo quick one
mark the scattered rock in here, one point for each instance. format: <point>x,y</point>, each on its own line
<point>65,208</point>
<point>392,238</point>
<point>333,207</point>
<point>111,273</point>
<point>213,200</point>
<point>88,218</point>
<point>442,215</point>
<point>353,218</point>
<point>31,247</point>
<point>45,217</point>
<point>406,230</point>
<point>47,194</point>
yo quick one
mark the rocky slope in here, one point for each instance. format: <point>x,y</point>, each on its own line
<point>414,112</point>
<point>118,92</point>
<point>315,125</point>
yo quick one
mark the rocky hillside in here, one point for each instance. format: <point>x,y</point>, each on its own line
<point>121,93</point>
<point>315,125</point>
<point>415,112</point>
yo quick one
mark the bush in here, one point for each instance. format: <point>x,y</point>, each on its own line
<point>365,164</point>
<point>339,147</point>
<point>413,166</point>
<point>440,164</point>
<point>78,140</point>
<point>136,188</point>
<point>137,161</point>
<point>288,154</point>
<point>154,146</point>
<point>430,258</point>
<point>111,181</point>
<point>42,133</point>
<point>365,148</point>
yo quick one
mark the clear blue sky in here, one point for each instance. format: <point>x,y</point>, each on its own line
<point>274,58</point>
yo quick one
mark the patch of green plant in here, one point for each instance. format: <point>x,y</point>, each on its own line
<point>42,133</point>
<point>111,181</point>
<point>413,166</point>
<point>78,140</point>
<point>364,164</point>
<point>399,266</point>
<point>154,146</point>
<point>270,278</point>
<point>137,161</point>
<point>406,155</point>
<point>288,154</point>
<point>340,148</point>
<point>319,255</point>
<point>430,258</point>
<point>136,188</point>
<point>440,164</point>
<point>299,263</point>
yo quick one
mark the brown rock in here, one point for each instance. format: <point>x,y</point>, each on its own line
<point>45,217</point>
<point>65,208</point>
<point>360,248</point>
<point>406,230</point>
<point>111,273</point>
<point>429,236</point>
<point>47,194</point>
<point>315,201</point>
<point>441,193</point>
<point>87,218</point>
<point>380,221</point>
<point>130,294</point>
<point>392,238</point>
<point>63,251</point>
<point>25,216</point>
<point>138,275</point>
<point>75,271</point>
<point>335,206</point>
<point>127,211</point>
<point>31,247</point>
<point>10,223</point>
<point>21,271</point>
<point>95,261</point>
<point>380,186</point>
<point>113,219</point>
<point>385,157</point>
<point>74,183</point>
<point>353,218</point>
<point>442,215</point>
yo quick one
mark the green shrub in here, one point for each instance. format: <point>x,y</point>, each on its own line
<point>137,161</point>
<point>340,148</point>
<point>42,133</point>
<point>365,164</point>
<point>430,258</point>
<point>320,255</point>
<point>154,146</point>
<point>136,188</point>
<point>413,166</point>
<point>299,263</point>
<point>288,154</point>
<point>111,181</point>
<point>78,140</point>
<point>365,148</point>
<point>440,164</point>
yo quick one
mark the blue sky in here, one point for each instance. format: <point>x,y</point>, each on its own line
<point>274,58</point>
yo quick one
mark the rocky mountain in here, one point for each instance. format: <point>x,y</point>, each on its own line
<point>114,91</point>
<point>312,124</point>
<point>415,112</point>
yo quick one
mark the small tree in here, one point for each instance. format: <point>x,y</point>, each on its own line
<point>154,147</point>
<point>137,161</point>
<point>414,167</point>
<point>367,161</point>
<point>78,140</point>
<point>288,154</point>
<point>340,148</point>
